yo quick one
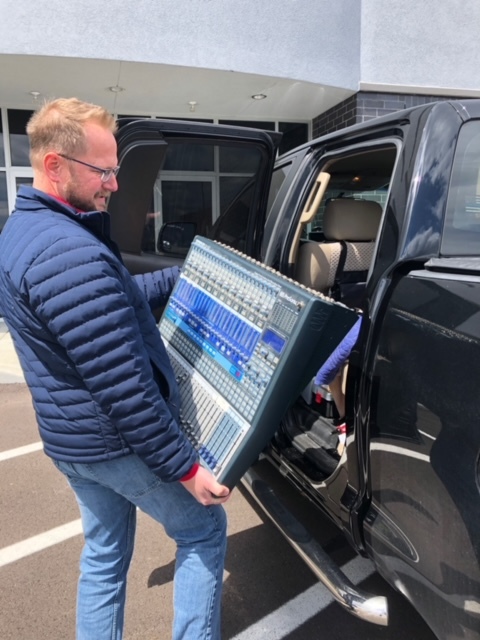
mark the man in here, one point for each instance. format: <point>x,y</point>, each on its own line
<point>103,390</point>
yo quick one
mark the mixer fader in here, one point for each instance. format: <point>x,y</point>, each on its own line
<point>243,341</point>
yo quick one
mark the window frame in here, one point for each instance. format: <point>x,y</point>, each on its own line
<point>463,240</point>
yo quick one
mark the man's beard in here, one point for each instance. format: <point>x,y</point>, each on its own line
<point>78,201</point>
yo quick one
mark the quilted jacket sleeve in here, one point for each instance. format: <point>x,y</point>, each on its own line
<point>158,285</point>
<point>75,288</point>
<point>338,357</point>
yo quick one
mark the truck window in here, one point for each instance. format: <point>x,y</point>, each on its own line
<point>204,189</point>
<point>337,250</point>
<point>461,233</point>
<point>278,178</point>
<point>364,175</point>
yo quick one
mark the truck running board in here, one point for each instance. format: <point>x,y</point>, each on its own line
<point>363,605</point>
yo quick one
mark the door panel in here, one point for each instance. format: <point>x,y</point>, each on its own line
<point>422,526</point>
<point>179,179</point>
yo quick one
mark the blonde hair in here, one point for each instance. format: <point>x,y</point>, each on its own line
<point>59,126</point>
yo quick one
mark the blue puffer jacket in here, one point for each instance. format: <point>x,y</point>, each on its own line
<point>100,378</point>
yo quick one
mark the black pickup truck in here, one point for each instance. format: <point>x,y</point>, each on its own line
<point>385,217</point>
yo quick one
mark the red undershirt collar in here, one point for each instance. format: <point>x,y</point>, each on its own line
<point>65,202</point>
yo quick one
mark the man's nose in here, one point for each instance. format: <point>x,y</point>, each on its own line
<point>111,184</point>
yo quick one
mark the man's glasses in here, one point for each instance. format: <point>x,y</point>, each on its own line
<point>105,174</point>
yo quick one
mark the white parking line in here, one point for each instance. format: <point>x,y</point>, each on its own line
<point>42,541</point>
<point>402,451</point>
<point>297,611</point>
<point>20,451</point>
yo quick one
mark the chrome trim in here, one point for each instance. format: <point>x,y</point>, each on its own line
<point>363,605</point>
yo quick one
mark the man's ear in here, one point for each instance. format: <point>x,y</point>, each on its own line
<point>53,166</point>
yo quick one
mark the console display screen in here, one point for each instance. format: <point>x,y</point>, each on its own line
<point>274,341</point>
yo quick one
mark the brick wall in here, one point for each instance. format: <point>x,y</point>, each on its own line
<point>366,106</point>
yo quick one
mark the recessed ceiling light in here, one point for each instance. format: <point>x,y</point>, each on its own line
<point>259,96</point>
<point>35,94</point>
<point>116,89</point>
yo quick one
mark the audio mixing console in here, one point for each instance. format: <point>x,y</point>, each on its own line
<point>243,341</point>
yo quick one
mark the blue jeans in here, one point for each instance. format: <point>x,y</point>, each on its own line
<point>108,494</point>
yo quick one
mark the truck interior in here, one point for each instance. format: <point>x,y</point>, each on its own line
<point>332,253</point>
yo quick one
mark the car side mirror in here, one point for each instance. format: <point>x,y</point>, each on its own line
<point>176,237</point>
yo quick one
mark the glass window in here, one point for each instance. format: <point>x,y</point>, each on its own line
<point>278,178</point>
<point>364,175</point>
<point>19,148</point>
<point>3,199</point>
<point>232,161</point>
<point>461,234</point>
<point>238,160</point>
<point>186,201</point>
<point>26,180</point>
<point>2,145</point>
<point>203,189</point>
<point>189,157</point>
<point>230,189</point>
<point>231,227</point>
<point>294,134</point>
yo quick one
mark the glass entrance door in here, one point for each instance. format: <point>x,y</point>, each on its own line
<point>16,178</point>
<point>23,180</point>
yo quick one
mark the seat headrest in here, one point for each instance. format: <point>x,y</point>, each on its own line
<point>352,220</point>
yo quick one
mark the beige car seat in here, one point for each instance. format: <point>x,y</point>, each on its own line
<point>338,266</point>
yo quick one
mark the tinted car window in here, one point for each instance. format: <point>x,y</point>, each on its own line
<point>461,235</point>
<point>278,178</point>
<point>189,157</point>
<point>202,189</point>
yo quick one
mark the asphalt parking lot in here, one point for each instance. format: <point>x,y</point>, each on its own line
<point>268,592</point>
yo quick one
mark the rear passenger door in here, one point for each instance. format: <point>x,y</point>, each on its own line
<point>309,179</point>
<point>182,179</point>
<point>424,446</point>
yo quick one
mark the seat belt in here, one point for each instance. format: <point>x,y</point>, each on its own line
<point>335,289</point>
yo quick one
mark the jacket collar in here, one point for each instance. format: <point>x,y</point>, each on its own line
<point>30,199</point>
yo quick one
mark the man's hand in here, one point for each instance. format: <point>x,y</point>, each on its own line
<point>205,488</point>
